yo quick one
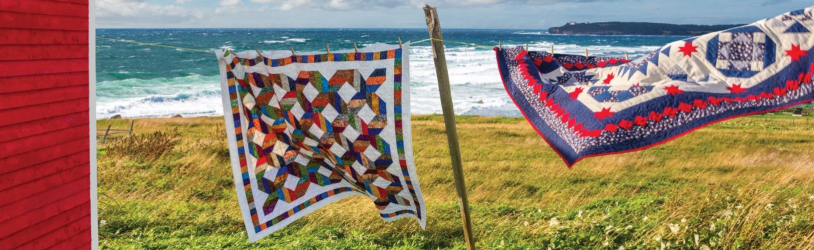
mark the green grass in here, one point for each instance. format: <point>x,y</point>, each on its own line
<point>745,183</point>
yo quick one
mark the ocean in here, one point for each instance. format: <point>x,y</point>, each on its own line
<point>145,81</point>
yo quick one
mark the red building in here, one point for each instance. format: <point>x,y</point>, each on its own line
<point>47,153</point>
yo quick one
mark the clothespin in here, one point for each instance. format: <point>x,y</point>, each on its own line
<point>586,52</point>
<point>328,48</point>
<point>258,53</point>
<point>627,57</point>
<point>499,45</point>
<point>399,42</point>
<point>527,47</point>
<point>552,50</point>
<point>355,49</point>
<point>292,51</point>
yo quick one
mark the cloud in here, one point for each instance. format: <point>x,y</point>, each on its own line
<point>387,4</point>
<point>332,4</point>
<point>140,13</point>
<point>229,2</point>
<point>236,7</point>
<point>774,2</point>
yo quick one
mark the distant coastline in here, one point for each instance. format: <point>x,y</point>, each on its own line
<point>637,28</point>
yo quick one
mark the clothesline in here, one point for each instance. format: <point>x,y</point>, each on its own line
<point>207,51</point>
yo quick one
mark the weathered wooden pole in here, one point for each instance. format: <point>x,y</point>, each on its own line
<point>106,132</point>
<point>434,27</point>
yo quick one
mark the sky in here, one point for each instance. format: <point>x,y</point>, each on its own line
<point>481,14</point>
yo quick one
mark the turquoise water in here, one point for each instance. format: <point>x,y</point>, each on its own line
<point>143,81</point>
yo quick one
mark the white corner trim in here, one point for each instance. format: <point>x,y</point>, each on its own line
<point>94,208</point>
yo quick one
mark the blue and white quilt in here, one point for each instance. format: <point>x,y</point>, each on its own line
<point>589,106</point>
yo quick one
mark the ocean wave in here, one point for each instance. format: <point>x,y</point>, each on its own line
<point>205,103</point>
<point>273,41</point>
<point>530,33</point>
<point>476,85</point>
<point>297,40</point>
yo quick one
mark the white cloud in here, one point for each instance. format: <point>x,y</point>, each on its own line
<point>118,12</point>
<point>332,4</point>
<point>229,2</point>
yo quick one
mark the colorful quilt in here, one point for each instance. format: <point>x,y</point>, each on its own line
<point>598,105</point>
<point>307,130</point>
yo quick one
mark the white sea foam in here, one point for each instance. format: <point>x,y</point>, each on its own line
<point>530,33</point>
<point>273,41</point>
<point>476,86</point>
<point>297,40</point>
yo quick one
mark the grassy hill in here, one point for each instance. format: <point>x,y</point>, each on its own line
<point>746,183</point>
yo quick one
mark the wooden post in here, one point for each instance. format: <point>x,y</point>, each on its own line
<point>131,127</point>
<point>434,27</point>
<point>106,131</point>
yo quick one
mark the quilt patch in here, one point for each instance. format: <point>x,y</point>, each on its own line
<point>307,130</point>
<point>594,106</point>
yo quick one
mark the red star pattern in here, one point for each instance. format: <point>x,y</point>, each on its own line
<point>795,52</point>
<point>673,90</point>
<point>605,113</point>
<point>576,93</point>
<point>688,49</point>
<point>736,89</point>
<point>608,79</point>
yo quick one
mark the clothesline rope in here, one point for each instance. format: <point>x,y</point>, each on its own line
<point>207,51</point>
<point>155,44</point>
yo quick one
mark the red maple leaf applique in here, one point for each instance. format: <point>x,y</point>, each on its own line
<point>611,127</point>
<point>604,113</point>
<point>641,121</point>
<point>625,124</point>
<point>670,112</point>
<point>608,79</point>
<point>684,107</point>
<point>714,101</point>
<point>576,93</point>
<point>538,62</point>
<point>673,90</point>
<point>779,91</point>
<point>792,85</point>
<point>579,65</point>
<point>795,52</point>
<point>736,89</point>
<point>688,49</point>
<point>701,104</point>
<point>656,117</point>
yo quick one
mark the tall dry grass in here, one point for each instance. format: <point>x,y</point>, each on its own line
<point>742,184</point>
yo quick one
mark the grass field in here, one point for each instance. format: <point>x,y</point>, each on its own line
<point>745,183</point>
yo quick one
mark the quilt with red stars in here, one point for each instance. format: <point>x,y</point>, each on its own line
<point>589,106</point>
<point>307,130</point>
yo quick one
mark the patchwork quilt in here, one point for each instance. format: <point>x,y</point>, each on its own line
<point>307,130</point>
<point>589,106</point>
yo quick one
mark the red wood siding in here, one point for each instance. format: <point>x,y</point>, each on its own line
<point>44,125</point>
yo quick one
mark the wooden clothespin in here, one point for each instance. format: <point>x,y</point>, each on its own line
<point>258,53</point>
<point>292,51</point>
<point>552,50</point>
<point>355,49</point>
<point>328,48</point>
<point>499,45</point>
<point>399,42</point>
<point>586,52</point>
<point>627,57</point>
<point>527,47</point>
